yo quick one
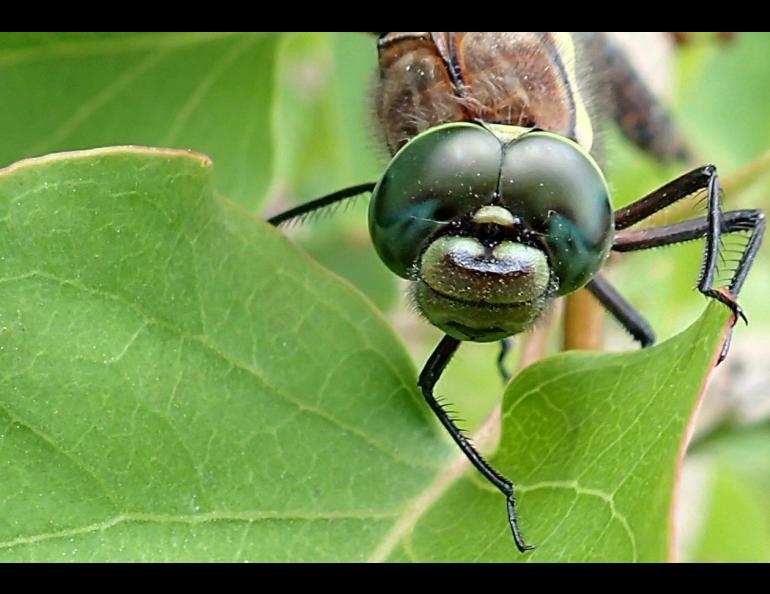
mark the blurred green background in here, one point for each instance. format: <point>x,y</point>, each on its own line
<point>286,118</point>
<point>720,94</point>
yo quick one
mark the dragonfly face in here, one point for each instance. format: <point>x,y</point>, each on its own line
<point>490,223</point>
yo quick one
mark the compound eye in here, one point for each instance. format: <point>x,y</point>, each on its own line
<point>556,188</point>
<point>441,176</point>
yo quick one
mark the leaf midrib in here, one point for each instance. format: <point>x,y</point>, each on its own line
<point>255,373</point>
<point>197,520</point>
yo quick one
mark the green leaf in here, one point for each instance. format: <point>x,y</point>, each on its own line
<point>180,383</point>
<point>209,92</point>
<point>594,444</point>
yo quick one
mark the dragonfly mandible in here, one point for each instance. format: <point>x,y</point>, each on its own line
<point>495,203</point>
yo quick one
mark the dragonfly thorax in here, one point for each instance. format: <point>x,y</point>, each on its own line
<point>516,79</point>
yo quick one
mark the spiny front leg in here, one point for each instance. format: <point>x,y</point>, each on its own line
<point>622,311</point>
<point>434,369</point>
<point>712,228</point>
<point>299,213</point>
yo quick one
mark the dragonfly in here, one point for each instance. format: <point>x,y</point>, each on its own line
<point>495,203</point>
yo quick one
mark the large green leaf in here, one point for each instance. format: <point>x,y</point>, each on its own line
<point>210,92</point>
<point>594,442</point>
<point>180,383</point>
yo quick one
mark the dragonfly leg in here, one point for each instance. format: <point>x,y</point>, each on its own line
<point>434,369</point>
<point>505,348</point>
<point>622,311</point>
<point>705,178</point>
<point>308,208</point>
<point>711,227</point>
<point>689,184</point>
<point>737,221</point>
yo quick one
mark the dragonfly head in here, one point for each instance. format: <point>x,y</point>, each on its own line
<point>491,227</point>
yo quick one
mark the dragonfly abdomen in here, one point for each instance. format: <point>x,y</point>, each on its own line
<point>639,113</point>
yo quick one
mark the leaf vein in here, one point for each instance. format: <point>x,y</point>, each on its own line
<point>51,442</point>
<point>248,518</point>
<point>251,371</point>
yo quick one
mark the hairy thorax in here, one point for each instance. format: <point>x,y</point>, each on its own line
<point>519,79</point>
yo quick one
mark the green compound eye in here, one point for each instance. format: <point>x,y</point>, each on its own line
<point>557,189</point>
<point>445,173</point>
